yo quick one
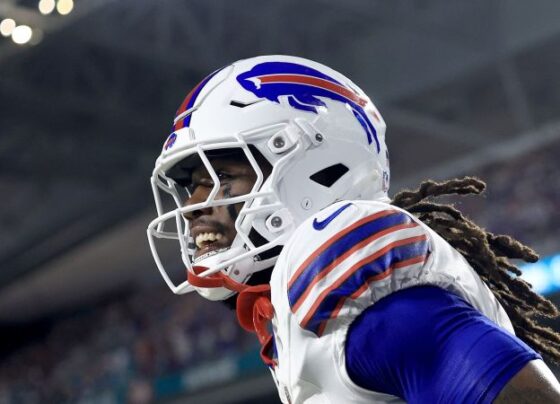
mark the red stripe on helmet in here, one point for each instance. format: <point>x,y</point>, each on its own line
<point>317,82</point>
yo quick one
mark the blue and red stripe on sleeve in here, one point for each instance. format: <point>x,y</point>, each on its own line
<point>347,264</point>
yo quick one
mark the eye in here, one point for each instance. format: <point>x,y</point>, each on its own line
<point>223,176</point>
<point>191,183</point>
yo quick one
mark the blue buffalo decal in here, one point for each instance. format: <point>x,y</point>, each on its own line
<point>303,86</point>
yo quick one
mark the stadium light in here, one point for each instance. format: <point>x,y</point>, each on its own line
<point>46,6</point>
<point>543,275</point>
<point>64,7</point>
<point>7,26</point>
<point>22,34</point>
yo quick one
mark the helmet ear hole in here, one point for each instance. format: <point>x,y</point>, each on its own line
<point>263,163</point>
<point>328,176</point>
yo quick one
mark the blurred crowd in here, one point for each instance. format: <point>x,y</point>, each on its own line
<point>522,197</point>
<point>121,347</point>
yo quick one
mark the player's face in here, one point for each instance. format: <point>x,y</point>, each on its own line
<point>213,228</point>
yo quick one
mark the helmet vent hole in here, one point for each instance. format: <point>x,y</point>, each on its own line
<point>328,176</point>
<point>240,104</point>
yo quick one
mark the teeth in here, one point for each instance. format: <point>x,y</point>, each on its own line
<point>207,237</point>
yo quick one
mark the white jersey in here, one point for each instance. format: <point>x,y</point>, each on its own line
<point>338,263</point>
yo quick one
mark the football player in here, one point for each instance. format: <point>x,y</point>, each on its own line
<point>279,171</point>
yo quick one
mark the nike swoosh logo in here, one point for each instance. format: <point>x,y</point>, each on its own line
<point>320,225</point>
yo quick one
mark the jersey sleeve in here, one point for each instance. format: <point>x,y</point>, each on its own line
<point>427,345</point>
<point>348,256</point>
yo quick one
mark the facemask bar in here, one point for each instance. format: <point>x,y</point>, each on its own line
<point>211,201</point>
<point>161,183</point>
<point>184,287</point>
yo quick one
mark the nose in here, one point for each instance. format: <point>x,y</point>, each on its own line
<point>200,194</point>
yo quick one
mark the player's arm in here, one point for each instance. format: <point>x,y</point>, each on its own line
<point>535,383</point>
<point>425,344</point>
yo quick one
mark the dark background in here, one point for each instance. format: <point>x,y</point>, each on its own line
<point>465,88</point>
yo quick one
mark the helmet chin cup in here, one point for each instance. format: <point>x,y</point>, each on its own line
<point>214,293</point>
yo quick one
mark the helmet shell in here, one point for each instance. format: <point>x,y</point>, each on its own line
<point>322,135</point>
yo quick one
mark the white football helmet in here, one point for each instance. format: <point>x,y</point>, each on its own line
<point>323,137</point>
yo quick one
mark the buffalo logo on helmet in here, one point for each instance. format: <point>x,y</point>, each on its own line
<point>170,141</point>
<point>303,86</point>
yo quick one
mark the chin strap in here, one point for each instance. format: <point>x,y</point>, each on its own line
<point>254,308</point>
<point>254,312</point>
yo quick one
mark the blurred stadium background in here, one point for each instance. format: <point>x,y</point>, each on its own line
<point>87,96</point>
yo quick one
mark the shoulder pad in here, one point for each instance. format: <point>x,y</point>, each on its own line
<point>343,250</point>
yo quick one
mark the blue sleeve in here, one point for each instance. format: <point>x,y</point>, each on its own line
<point>427,345</point>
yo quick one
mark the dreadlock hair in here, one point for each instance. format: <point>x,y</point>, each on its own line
<point>489,255</point>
